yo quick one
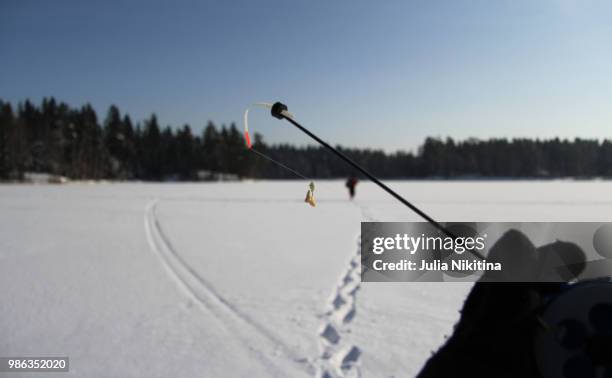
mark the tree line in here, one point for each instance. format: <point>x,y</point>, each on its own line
<point>58,139</point>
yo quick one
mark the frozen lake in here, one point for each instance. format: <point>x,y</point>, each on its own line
<point>237,279</point>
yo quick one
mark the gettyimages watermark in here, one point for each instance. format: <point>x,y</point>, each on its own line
<point>486,251</point>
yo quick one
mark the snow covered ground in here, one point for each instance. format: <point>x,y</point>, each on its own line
<point>236,279</point>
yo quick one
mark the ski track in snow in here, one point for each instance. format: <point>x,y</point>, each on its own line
<point>208,298</point>
<point>338,356</point>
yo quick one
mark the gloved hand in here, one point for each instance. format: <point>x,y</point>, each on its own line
<point>494,336</point>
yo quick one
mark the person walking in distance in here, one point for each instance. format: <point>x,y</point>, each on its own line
<point>350,184</point>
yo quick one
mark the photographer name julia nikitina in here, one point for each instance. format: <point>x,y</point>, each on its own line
<point>436,265</point>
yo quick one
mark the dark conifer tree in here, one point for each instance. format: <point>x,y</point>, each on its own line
<point>128,151</point>
<point>6,125</point>
<point>114,140</point>
<point>186,150</point>
<point>169,155</point>
<point>211,148</point>
<point>151,150</point>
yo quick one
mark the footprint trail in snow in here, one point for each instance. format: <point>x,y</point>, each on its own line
<point>338,356</point>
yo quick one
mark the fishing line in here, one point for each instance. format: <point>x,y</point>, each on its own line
<point>279,163</point>
<point>311,187</point>
<point>247,137</point>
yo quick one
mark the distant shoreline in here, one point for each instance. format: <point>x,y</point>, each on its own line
<point>327,179</point>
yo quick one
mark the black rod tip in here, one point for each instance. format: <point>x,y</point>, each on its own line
<point>278,109</point>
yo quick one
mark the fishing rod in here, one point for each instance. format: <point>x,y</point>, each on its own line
<point>567,306</point>
<point>280,111</point>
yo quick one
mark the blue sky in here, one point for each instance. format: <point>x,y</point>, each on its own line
<point>381,74</point>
